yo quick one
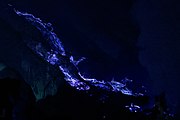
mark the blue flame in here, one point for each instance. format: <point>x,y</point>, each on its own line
<point>134,108</point>
<point>68,66</point>
<point>46,30</point>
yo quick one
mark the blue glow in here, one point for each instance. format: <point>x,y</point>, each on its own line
<point>46,29</point>
<point>52,58</point>
<point>134,108</point>
<point>76,62</point>
<point>68,66</point>
<point>73,81</point>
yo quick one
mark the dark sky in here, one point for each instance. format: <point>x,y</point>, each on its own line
<point>134,38</point>
<point>160,28</point>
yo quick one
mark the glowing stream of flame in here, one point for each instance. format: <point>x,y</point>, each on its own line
<point>68,66</point>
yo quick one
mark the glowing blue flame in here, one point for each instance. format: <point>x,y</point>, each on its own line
<point>68,66</point>
<point>134,108</point>
<point>76,62</point>
<point>46,29</point>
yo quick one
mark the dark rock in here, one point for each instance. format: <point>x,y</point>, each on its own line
<point>16,96</point>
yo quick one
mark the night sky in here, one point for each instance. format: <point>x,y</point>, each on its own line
<point>134,38</point>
